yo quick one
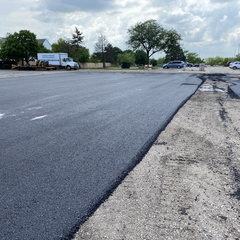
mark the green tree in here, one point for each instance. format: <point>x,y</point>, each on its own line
<point>226,60</point>
<point>128,51</point>
<point>109,53</point>
<point>218,60</point>
<point>64,46</point>
<point>151,37</point>
<point>77,40</point>
<point>42,49</point>
<point>20,46</point>
<point>209,61</point>
<point>140,57</point>
<point>116,51</point>
<point>237,58</point>
<point>215,61</point>
<point>126,57</point>
<point>153,62</point>
<point>161,61</point>
<point>175,52</point>
<point>59,46</point>
<point>192,57</point>
<point>94,58</point>
<point>83,55</point>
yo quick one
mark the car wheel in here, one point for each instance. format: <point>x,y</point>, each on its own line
<point>234,68</point>
<point>178,66</point>
<point>165,67</point>
<point>68,67</point>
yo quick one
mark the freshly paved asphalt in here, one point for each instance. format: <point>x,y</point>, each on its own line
<point>67,140</point>
<point>234,90</point>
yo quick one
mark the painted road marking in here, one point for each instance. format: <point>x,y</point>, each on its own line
<point>37,118</point>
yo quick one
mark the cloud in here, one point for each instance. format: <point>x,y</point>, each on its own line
<point>202,24</point>
<point>76,5</point>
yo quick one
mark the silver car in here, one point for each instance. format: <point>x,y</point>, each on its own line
<point>234,65</point>
<point>174,64</point>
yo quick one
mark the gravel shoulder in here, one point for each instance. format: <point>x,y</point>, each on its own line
<point>188,184</point>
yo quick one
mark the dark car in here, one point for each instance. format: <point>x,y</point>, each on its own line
<point>196,65</point>
<point>228,63</point>
<point>174,64</point>
<point>189,65</point>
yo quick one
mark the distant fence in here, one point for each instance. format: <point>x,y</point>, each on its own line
<point>94,65</point>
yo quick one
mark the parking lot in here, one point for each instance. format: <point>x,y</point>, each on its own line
<point>208,70</point>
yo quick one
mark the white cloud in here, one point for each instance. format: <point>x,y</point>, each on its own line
<point>224,18</point>
<point>202,24</point>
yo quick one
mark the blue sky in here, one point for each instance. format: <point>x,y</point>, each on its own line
<point>207,27</point>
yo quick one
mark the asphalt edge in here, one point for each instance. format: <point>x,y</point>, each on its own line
<point>232,94</point>
<point>135,161</point>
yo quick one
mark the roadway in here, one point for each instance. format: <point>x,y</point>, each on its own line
<point>67,140</point>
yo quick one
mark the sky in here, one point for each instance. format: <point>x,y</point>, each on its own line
<point>207,27</point>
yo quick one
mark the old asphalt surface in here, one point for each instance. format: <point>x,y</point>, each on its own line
<point>188,185</point>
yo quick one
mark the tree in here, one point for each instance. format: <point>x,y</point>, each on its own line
<point>116,51</point>
<point>217,61</point>
<point>175,52</point>
<point>161,61</point>
<point>140,57</point>
<point>226,60</point>
<point>209,61</point>
<point>42,49</point>
<point>126,57</point>
<point>94,58</point>
<point>151,37</point>
<point>192,57</point>
<point>20,46</point>
<point>64,46</point>
<point>77,41</point>
<point>153,62</point>
<point>83,55</point>
<point>109,53</point>
<point>59,46</point>
<point>128,51</point>
<point>100,48</point>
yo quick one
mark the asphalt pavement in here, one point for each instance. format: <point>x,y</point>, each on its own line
<point>67,140</point>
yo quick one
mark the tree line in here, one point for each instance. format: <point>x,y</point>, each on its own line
<point>144,40</point>
<point>213,61</point>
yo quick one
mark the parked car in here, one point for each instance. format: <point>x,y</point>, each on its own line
<point>228,63</point>
<point>234,65</point>
<point>196,65</point>
<point>174,64</point>
<point>189,65</point>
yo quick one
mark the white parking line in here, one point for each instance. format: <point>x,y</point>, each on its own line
<point>37,118</point>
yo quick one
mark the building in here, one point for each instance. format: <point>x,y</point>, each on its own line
<point>45,43</point>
